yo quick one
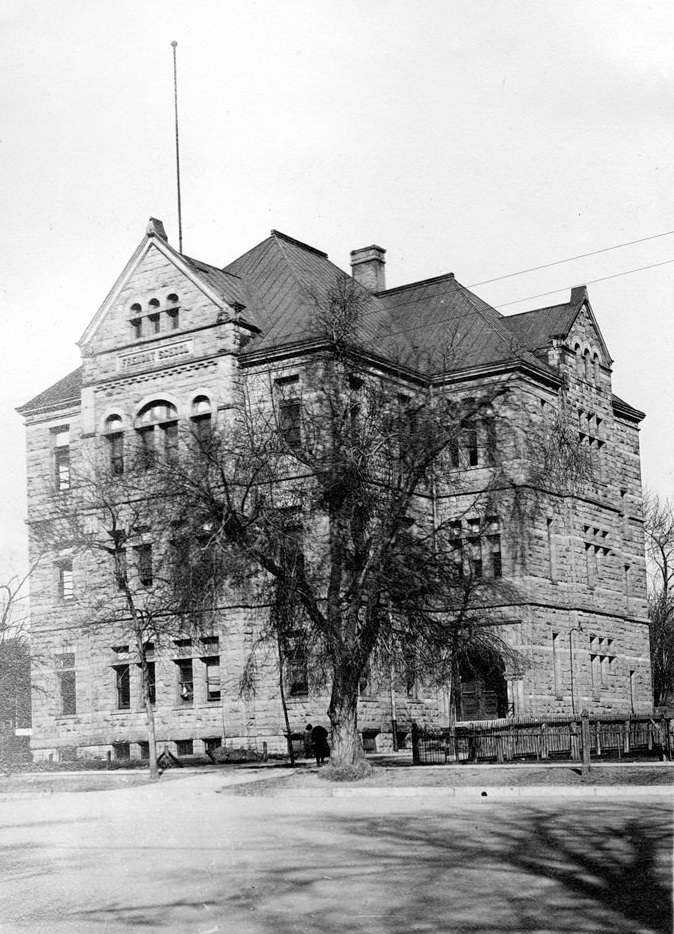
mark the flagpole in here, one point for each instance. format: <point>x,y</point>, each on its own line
<point>175,100</point>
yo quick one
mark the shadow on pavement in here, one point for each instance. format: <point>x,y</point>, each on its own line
<point>498,868</point>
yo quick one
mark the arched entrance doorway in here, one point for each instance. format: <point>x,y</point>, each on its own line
<point>482,691</point>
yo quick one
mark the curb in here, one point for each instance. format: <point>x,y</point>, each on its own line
<point>463,792</point>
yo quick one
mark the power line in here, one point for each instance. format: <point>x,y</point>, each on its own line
<point>570,259</point>
<point>616,275</point>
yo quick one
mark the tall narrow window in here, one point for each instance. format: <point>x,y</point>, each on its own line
<point>65,665</point>
<point>549,543</point>
<point>626,573</point>
<point>212,678</point>
<point>474,547</point>
<point>151,675</point>
<point>66,588</point>
<point>490,442</point>
<point>201,419</point>
<point>290,422</point>
<point>296,663</point>
<point>556,665</point>
<point>123,687</point>
<point>61,457</point>
<point>633,688</point>
<point>144,564</point>
<point>185,681</point>
<point>469,424</point>
<point>115,440</point>
<point>136,321</point>
<point>494,546</point>
<point>119,564</point>
<point>173,313</point>
<point>456,543</point>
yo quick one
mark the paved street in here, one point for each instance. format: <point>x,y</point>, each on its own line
<point>182,857</point>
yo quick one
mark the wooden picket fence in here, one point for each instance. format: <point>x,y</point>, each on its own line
<point>519,740</point>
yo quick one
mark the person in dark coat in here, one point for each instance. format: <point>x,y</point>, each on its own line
<point>319,739</point>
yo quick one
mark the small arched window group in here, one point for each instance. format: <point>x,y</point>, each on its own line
<point>153,320</point>
<point>156,431</point>
<point>588,365</point>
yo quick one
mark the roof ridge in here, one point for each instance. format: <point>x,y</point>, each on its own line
<point>299,243</point>
<point>412,285</point>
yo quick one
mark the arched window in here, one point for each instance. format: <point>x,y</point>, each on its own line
<point>587,361</point>
<point>579,360</point>
<point>173,312</point>
<point>114,428</point>
<point>136,321</point>
<point>201,418</point>
<point>597,369</point>
<point>157,428</point>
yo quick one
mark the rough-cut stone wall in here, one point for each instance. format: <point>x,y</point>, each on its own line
<point>579,621</point>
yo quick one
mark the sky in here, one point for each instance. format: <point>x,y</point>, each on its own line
<point>468,136</point>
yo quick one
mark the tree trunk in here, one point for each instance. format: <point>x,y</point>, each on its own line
<point>347,748</point>
<point>289,735</point>
<point>149,711</point>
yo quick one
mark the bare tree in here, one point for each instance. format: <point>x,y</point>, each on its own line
<point>15,703</point>
<point>326,486</point>
<point>659,528</point>
<point>119,522</point>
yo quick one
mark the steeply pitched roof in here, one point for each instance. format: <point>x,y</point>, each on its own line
<point>534,329</point>
<point>65,392</point>
<point>433,327</point>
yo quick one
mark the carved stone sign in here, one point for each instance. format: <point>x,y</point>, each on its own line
<point>169,353</point>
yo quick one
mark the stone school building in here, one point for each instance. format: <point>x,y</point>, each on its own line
<point>164,351</point>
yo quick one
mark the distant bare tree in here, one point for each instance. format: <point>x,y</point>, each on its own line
<point>659,527</point>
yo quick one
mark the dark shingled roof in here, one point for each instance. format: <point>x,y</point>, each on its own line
<point>433,327</point>
<point>534,329</point>
<point>66,391</point>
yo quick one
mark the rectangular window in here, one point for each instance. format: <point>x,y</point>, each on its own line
<point>633,687</point>
<point>469,432</point>
<point>121,750</point>
<point>474,548</point>
<point>185,681</point>
<point>61,457</point>
<point>119,560</point>
<point>151,683</point>
<point>147,453</point>
<point>170,432</point>
<point>185,747</point>
<point>557,664</point>
<point>66,587</point>
<point>123,687</point>
<point>212,744</point>
<point>116,443</point>
<point>212,678</point>
<point>202,428</point>
<point>144,564</point>
<point>290,422</point>
<point>494,544</point>
<point>296,664</point>
<point>489,423</point>
<point>549,543</point>
<point>456,542</point>
<point>65,665</point>
<point>144,748</point>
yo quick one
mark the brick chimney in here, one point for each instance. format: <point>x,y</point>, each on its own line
<point>367,267</point>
